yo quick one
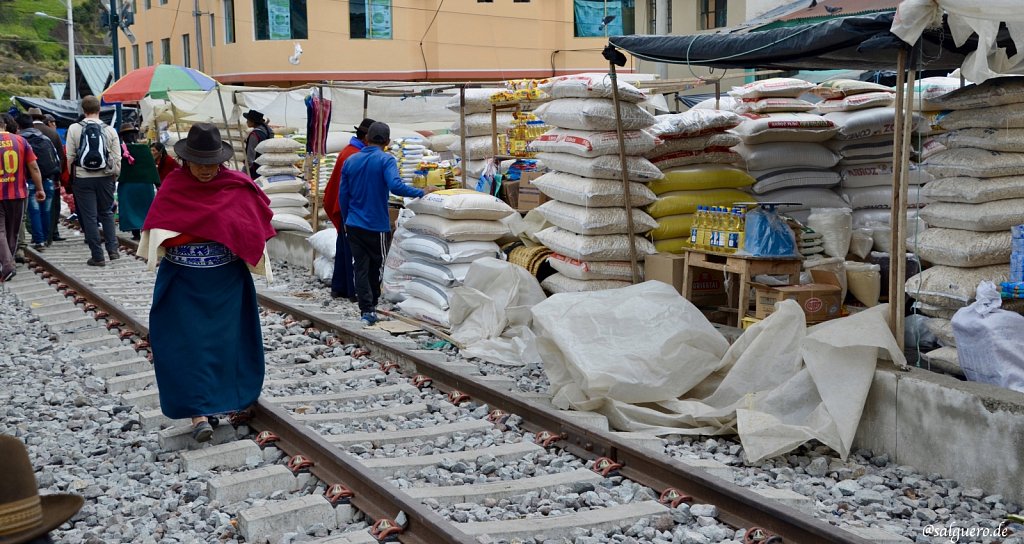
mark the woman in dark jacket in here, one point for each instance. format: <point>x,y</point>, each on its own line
<point>137,182</point>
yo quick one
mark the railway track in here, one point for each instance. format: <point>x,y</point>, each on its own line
<point>358,428</point>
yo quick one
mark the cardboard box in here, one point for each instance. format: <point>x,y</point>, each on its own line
<point>708,288</point>
<point>819,300</point>
<point>393,214</point>
<point>529,194</point>
<point>666,268</point>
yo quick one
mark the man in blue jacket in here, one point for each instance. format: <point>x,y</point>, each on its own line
<point>363,200</point>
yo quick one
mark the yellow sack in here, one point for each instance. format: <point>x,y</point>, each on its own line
<point>703,176</point>
<point>680,202</point>
<point>673,226</point>
<point>672,245</point>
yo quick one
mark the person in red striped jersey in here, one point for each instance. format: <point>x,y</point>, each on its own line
<point>16,159</point>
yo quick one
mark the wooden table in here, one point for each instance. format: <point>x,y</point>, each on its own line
<point>744,266</point>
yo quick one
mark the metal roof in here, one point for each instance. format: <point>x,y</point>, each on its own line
<point>97,70</point>
<point>58,89</point>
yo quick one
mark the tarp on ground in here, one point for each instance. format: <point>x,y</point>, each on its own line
<point>853,43</point>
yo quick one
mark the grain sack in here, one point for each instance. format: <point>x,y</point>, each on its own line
<point>861,242</point>
<point>584,271</point>
<point>558,283</point>
<point>856,102</point>
<point>280,184</point>
<point>297,211</point>
<point>593,114</point>
<point>841,88</point>
<point>1009,140</point>
<point>806,198</point>
<point>441,142</point>
<point>418,308</point>
<point>666,147</point>
<point>582,191</point>
<point>270,171</point>
<point>429,291</point>
<point>875,217</point>
<point>683,202</point>
<point>772,105</point>
<point>863,151</point>
<point>672,226</point>
<point>785,127</point>
<point>461,204</point>
<point>992,92</point>
<point>612,247</point>
<point>287,200</point>
<point>934,312</point>
<point>864,282</point>
<point>709,155</point>
<point>437,250</point>
<point>963,248</point>
<point>928,124</point>
<point>479,124</point>
<point>457,230</point>
<point>784,178</point>
<point>928,90</point>
<point>696,122</point>
<point>929,148</point>
<point>604,167</point>
<point>942,329</point>
<point>970,162</point>
<point>325,242</point>
<point>441,274</point>
<point>287,221</point>
<point>673,245</point>
<point>975,190</point>
<point>776,86</point>
<point>280,145</point>
<point>854,125</point>
<point>723,104</point>
<point>702,176</point>
<point>774,155</point>
<point>477,148</point>
<point>593,144</point>
<point>477,101</point>
<point>277,159</point>
<point>872,175</point>
<point>835,226</point>
<point>593,221</point>
<point>1008,116</point>
<point>584,86</point>
<point>950,287</point>
<point>879,196</point>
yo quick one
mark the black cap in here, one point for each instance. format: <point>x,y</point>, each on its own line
<point>364,127</point>
<point>379,133</point>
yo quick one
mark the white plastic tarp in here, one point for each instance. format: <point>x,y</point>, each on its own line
<point>490,312</point>
<point>989,342</point>
<point>967,17</point>
<point>630,353</point>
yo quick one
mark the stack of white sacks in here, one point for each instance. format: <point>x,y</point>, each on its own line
<point>590,237</point>
<point>450,230</point>
<point>695,154</point>
<point>978,196</point>
<point>409,152</point>
<point>478,129</point>
<point>282,181</point>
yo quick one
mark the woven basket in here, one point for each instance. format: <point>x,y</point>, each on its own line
<point>530,258</point>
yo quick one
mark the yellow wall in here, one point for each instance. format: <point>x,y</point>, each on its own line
<point>467,40</point>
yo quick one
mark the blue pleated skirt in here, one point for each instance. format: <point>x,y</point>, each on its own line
<point>206,339</point>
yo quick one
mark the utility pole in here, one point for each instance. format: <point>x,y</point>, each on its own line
<point>661,29</point>
<point>114,23</point>
<point>199,34</point>
<point>72,75</point>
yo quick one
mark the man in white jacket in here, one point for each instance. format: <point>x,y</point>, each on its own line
<point>93,186</point>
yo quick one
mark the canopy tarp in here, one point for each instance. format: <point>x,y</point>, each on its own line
<point>853,43</point>
<point>67,112</point>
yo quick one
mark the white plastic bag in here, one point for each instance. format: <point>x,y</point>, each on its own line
<point>835,226</point>
<point>325,242</point>
<point>989,341</point>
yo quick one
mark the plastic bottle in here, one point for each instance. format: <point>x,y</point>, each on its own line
<point>695,227</point>
<point>736,232</point>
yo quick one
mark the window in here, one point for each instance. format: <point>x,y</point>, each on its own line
<point>186,51</point>
<point>135,6</point>
<point>280,19</point>
<point>123,60</point>
<point>520,1</point>
<point>712,14</point>
<point>163,2</point>
<point>165,50</point>
<point>149,54</point>
<point>652,13</point>
<point>135,56</point>
<point>213,31</point>
<point>590,14</point>
<point>484,1</point>
<point>229,21</point>
<point>147,4</point>
<point>369,19</point>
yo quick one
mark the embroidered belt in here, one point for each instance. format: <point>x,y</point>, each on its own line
<point>200,255</point>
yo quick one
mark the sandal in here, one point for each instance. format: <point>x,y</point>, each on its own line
<point>202,431</point>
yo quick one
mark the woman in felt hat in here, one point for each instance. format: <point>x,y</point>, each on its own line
<point>260,131</point>
<point>26,517</point>
<point>136,183</point>
<point>208,223</point>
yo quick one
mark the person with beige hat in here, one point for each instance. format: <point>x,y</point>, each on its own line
<point>26,517</point>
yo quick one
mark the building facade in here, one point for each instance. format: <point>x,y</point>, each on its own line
<point>257,41</point>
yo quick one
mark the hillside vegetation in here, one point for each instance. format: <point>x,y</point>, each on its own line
<point>33,50</point>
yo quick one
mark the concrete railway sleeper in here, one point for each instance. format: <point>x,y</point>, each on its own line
<point>433,456</point>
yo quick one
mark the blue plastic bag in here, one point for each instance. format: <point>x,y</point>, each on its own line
<point>767,235</point>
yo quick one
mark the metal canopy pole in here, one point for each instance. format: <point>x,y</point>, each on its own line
<point>628,201</point>
<point>227,124</point>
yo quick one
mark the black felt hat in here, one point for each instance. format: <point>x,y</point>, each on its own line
<point>255,117</point>
<point>364,127</point>
<point>203,146</point>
